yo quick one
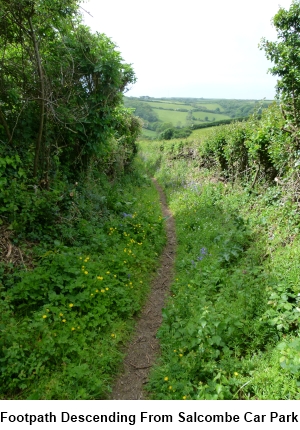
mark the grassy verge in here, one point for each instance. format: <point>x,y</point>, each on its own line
<point>230,328</point>
<point>64,321</point>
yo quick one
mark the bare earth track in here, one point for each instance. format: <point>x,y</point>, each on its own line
<point>144,347</point>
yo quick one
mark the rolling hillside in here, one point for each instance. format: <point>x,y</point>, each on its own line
<point>160,114</point>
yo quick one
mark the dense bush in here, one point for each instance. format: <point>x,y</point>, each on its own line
<point>64,317</point>
<point>231,326</point>
<point>259,145</point>
<point>174,133</point>
<point>61,109</point>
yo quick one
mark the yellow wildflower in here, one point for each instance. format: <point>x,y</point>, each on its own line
<point>44,316</point>
<point>61,315</point>
<point>166,378</point>
<point>86,272</point>
<point>184,398</point>
<point>113,335</point>
<point>71,305</point>
<point>63,320</point>
<point>73,328</point>
<point>170,387</point>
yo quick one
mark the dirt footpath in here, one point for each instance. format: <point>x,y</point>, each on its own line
<point>144,347</point>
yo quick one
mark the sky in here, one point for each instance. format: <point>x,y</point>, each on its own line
<point>191,48</point>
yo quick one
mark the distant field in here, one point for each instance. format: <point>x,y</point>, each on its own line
<point>171,116</point>
<point>196,134</point>
<point>210,116</point>
<point>148,133</point>
<point>210,106</point>
<point>166,105</point>
<point>174,116</point>
<point>163,113</point>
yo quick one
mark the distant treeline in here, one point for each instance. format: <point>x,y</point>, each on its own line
<point>232,108</point>
<point>175,133</point>
<point>220,122</point>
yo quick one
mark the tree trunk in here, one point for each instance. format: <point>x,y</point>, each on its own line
<point>42,99</point>
<point>5,125</point>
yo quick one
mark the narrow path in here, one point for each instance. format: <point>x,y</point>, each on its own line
<point>144,347</point>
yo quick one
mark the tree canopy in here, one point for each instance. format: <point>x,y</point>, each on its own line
<point>285,54</point>
<point>61,88</point>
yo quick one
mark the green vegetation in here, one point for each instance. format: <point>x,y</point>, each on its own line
<point>204,116</point>
<point>201,132</point>
<point>149,133</point>
<point>80,225</point>
<point>230,328</point>
<point>62,323</point>
<point>171,116</point>
<point>285,54</point>
<point>160,114</point>
<point>171,106</point>
<point>210,106</point>
<point>242,108</point>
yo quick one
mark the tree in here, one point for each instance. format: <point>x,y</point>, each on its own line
<point>285,54</point>
<point>61,89</point>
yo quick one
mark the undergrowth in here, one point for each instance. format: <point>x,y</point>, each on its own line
<point>231,326</point>
<point>64,320</point>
